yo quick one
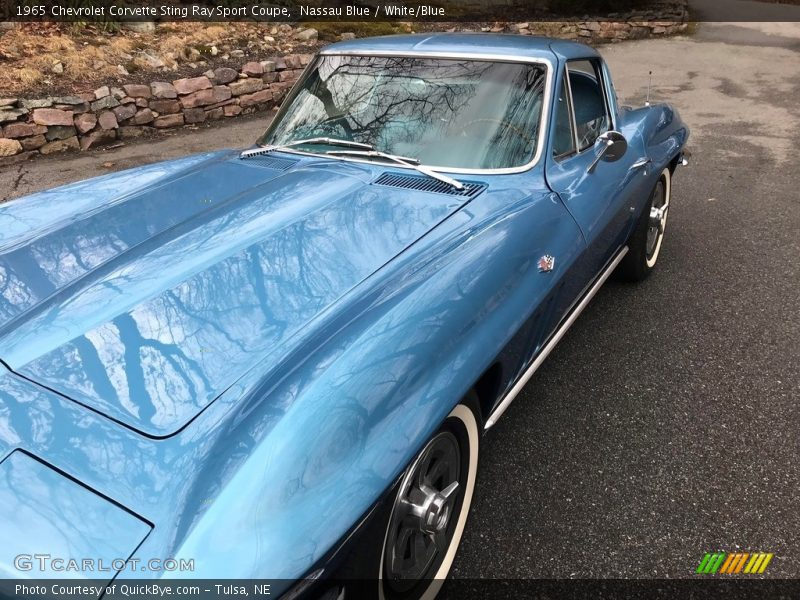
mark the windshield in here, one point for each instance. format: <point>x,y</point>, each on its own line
<point>455,113</point>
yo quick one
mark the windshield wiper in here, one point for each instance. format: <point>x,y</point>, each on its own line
<point>402,160</point>
<point>315,140</point>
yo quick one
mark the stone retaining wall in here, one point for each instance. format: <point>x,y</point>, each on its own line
<point>595,32</point>
<point>109,114</point>
<point>664,17</point>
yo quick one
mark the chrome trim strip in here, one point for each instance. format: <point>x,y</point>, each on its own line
<point>574,123</point>
<point>543,118</point>
<point>495,56</point>
<point>554,339</point>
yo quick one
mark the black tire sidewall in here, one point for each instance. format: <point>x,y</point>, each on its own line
<point>634,265</point>
<point>468,443</point>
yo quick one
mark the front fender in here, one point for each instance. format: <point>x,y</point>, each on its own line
<point>372,386</point>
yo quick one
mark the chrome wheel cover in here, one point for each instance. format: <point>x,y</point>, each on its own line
<point>420,528</point>
<point>658,219</point>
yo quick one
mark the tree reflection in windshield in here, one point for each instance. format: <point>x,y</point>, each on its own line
<point>444,112</point>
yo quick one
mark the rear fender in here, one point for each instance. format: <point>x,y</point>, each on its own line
<point>663,131</point>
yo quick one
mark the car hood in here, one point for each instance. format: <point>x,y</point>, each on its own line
<point>144,295</point>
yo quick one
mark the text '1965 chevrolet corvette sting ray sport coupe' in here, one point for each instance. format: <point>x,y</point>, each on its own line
<point>277,363</point>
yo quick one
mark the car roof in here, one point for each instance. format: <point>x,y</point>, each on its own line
<point>466,44</point>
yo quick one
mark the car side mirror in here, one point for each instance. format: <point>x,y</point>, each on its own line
<point>613,146</point>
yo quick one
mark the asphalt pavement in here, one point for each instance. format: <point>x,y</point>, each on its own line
<point>665,425</point>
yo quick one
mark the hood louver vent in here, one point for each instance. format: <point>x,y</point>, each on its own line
<point>270,162</point>
<point>428,184</point>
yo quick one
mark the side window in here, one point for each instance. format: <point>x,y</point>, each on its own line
<point>588,102</point>
<point>563,138</point>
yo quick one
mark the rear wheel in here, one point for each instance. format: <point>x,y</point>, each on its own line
<point>430,508</point>
<point>644,245</point>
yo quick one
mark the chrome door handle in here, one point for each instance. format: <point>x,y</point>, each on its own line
<point>642,162</point>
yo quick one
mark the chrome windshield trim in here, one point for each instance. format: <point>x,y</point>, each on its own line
<point>543,118</point>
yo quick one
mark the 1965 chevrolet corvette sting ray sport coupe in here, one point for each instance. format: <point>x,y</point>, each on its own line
<point>279,362</point>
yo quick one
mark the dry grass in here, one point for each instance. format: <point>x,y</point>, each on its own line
<point>26,76</point>
<point>29,58</point>
<point>89,54</point>
<point>330,30</point>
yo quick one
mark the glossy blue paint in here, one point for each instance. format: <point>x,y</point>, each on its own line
<point>247,357</point>
<point>45,513</point>
<point>172,298</point>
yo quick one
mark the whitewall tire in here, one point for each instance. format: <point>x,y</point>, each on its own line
<point>430,510</point>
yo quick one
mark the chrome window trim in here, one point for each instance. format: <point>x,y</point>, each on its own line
<point>611,106</point>
<point>573,125</point>
<point>598,67</point>
<point>572,112</point>
<point>543,118</point>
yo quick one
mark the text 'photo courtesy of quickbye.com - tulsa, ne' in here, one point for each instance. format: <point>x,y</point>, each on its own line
<point>399,300</point>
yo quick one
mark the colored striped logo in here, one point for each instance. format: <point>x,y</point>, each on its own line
<point>732,563</point>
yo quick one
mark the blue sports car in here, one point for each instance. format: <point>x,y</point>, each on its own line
<point>278,363</point>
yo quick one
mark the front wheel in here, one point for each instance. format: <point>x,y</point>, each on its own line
<point>430,510</point>
<point>644,244</point>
